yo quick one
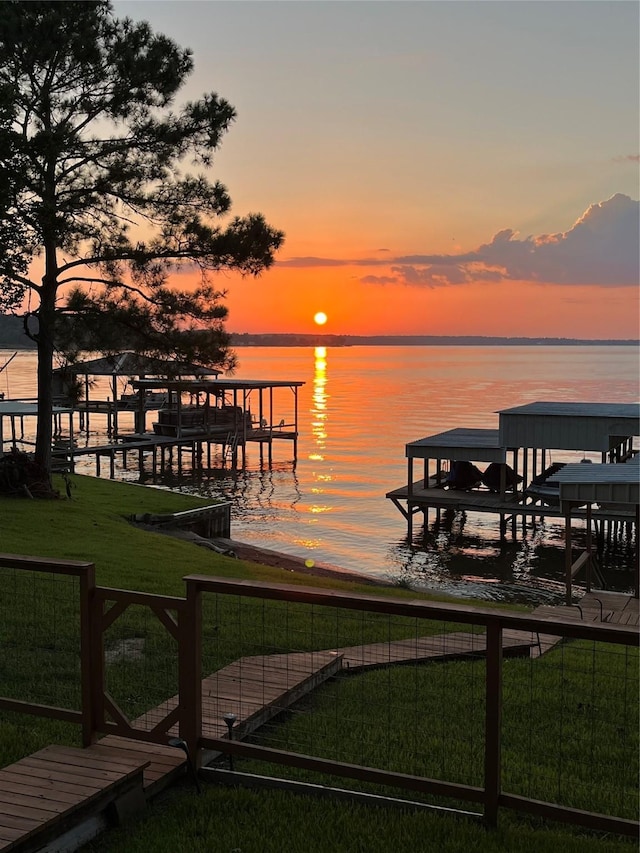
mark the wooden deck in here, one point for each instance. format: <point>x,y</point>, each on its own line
<point>613,608</point>
<point>422,498</point>
<point>441,647</point>
<point>41,795</point>
<point>194,442</point>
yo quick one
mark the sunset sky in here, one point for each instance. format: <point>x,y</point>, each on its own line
<point>437,167</point>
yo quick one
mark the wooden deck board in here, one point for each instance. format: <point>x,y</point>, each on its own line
<point>614,608</point>
<point>165,763</point>
<point>438,647</point>
<point>241,690</point>
<point>41,793</point>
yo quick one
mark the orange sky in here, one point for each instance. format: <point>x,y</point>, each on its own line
<point>478,163</point>
<point>285,300</point>
<point>437,167</point>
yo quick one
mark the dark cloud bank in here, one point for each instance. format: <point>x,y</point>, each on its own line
<point>601,248</point>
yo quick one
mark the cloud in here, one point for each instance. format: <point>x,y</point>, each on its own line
<point>379,279</point>
<point>316,262</point>
<point>627,158</point>
<point>601,248</point>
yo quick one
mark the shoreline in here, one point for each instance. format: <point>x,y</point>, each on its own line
<point>290,563</point>
<point>266,557</point>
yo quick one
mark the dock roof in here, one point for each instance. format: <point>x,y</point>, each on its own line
<point>22,408</point>
<point>569,426</point>
<point>131,364</point>
<point>622,411</point>
<point>460,444</point>
<point>600,483</point>
<point>213,385</point>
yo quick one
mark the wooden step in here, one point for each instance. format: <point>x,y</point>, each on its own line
<point>46,794</point>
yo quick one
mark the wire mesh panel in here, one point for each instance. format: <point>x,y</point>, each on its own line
<point>423,719</point>
<point>397,693</point>
<point>570,727</point>
<point>40,637</point>
<point>389,696</point>
<point>141,667</point>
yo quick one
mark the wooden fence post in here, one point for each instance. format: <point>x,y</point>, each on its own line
<point>493,723</point>
<point>568,558</point>
<point>87,668</point>
<point>190,672</point>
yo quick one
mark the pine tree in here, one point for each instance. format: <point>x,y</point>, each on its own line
<point>100,201</point>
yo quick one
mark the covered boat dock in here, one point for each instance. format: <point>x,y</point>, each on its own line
<point>219,412</point>
<point>608,486</point>
<point>526,436</point>
<point>73,380</point>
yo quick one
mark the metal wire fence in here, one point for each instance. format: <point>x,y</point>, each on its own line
<point>424,701</point>
<point>443,704</point>
<point>140,666</point>
<point>40,637</point>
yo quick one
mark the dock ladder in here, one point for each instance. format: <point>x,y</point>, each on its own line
<point>230,449</point>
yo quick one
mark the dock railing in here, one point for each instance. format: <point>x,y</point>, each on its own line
<point>445,703</point>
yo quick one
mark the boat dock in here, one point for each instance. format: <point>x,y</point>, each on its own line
<point>222,416</point>
<point>520,483</point>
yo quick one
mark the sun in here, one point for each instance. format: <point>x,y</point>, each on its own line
<point>320,318</point>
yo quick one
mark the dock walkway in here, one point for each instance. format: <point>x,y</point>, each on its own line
<point>422,496</point>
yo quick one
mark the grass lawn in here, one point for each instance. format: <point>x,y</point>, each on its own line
<point>93,526</point>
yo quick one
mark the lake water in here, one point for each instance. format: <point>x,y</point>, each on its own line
<point>357,410</point>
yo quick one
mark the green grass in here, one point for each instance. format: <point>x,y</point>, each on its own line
<point>440,735</point>
<point>244,821</point>
<point>569,731</point>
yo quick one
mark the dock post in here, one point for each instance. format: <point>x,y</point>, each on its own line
<point>636,592</point>
<point>493,724</point>
<point>503,526</point>
<point>568,562</point>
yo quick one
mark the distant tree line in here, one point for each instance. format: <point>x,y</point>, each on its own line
<point>296,340</point>
<point>12,336</point>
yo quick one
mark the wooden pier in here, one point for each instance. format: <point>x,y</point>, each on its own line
<point>199,447</point>
<point>224,414</point>
<point>421,497</point>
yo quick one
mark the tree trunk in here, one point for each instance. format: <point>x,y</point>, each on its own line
<point>45,339</point>
<point>44,435</point>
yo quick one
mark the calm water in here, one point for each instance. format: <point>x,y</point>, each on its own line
<point>357,410</point>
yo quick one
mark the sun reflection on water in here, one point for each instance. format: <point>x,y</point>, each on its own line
<point>319,401</point>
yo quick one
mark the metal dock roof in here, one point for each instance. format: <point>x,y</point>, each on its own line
<point>576,410</point>
<point>213,385</point>
<point>464,445</point>
<point>605,483</point>
<point>569,426</point>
